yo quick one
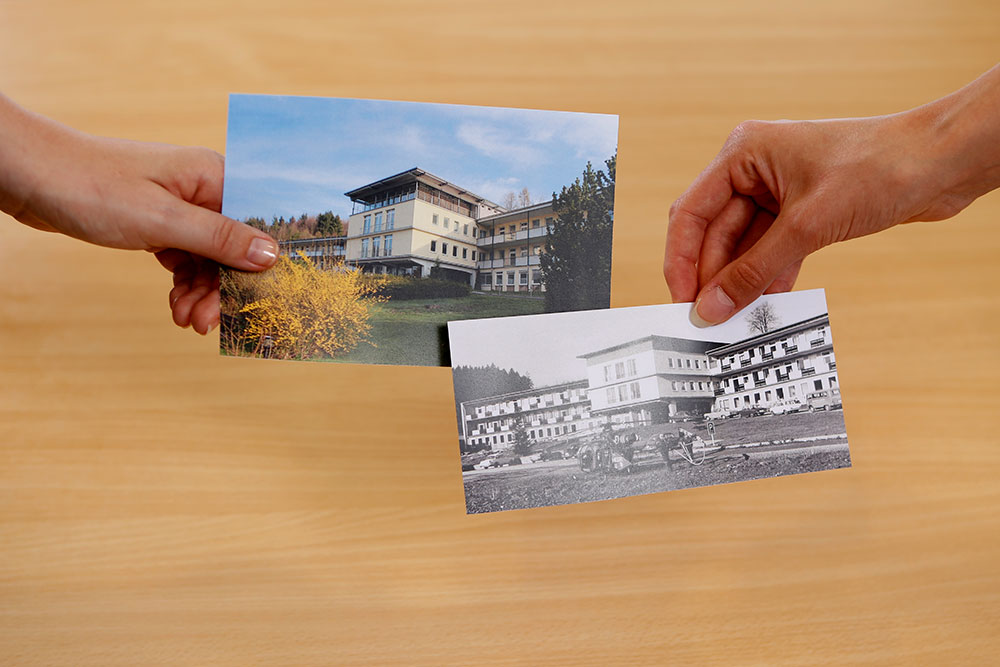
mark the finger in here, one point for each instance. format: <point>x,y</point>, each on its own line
<point>201,285</point>
<point>785,280</point>
<point>172,258</point>
<point>689,217</point>
<point>723,235</point>
<point>205,313</point>
<point>745,278</point>
<point>214,236</point>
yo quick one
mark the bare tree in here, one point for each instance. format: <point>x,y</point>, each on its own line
<point>762,319</point>
<point>509,200</point>
<point>524,199</point>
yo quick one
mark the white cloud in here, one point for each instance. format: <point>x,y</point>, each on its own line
<point>494,189</point>
<point>500,143</point>
<point>341,180</point>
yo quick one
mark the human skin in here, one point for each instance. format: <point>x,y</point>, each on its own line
<point>780,190</point>
<point>131,195</point>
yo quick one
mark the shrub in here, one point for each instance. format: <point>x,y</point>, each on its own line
<point>406,287</point>
<point>297,310</point>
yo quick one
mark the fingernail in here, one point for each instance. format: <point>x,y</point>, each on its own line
<point>262,252</point>
<point>211,327</point>
<point>712,307</point>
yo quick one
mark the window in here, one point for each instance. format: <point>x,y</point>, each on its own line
<point>537,250</point>
<point>513,257</point>
<point>434,218</point>
<point>674,386</point>
<point>622,392</point>
<point>454,250</point>
<point>523,278</point>
<point>632,372</point>
<point>524,226</point>
<point>499,278</point>
<point>487,279</point>
<point>446,222</point>
<point>444,248</point>
<point>364,248</point>
<point>611,394</point>
<point>536,277</point>
<point>607,373</point>
<point>434,246</point>
<point>534,223</point>
<point>619,370</point>
<point>378,221</point>
<point>687,362</point>
<point>524,251</point>
<point>818,384</point>
<point>465,230</point>
<point>390,219</point>
<point>670,362</point>
<point>510,278</point>
<point>548,223</point>
<point>791,391</point>
<point>475,256</point>
<point>387,245</point>
<point>375,245</point>
<point>367,225</point>
<point>633,389</point>
<point>465,253</point>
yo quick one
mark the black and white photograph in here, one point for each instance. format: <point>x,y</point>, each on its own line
<point>575,407</point>
<point>393,218</point>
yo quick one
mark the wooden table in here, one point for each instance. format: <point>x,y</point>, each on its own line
<point>162,505</point>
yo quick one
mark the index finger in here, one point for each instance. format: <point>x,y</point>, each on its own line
<point>690,215</point>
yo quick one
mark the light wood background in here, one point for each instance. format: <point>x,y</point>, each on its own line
<point>162,505</point>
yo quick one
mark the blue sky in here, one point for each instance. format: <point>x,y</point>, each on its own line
<point>286,156</point>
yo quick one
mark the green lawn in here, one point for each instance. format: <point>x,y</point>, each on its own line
<point>414,333</point>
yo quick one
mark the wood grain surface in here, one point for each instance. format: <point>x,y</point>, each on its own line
<point>162,505</point>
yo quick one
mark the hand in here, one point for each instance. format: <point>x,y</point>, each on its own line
<point>779,191</point>
<point>124,194</point>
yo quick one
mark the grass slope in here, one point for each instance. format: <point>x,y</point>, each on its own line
<point>414,333</point>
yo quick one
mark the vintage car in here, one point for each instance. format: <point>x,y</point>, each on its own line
<point>824,400</point>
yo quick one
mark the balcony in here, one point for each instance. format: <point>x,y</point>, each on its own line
<point>808,371</point>
<point>490,264</point>
<point>816,342</point>
<point>523,235</point>
<point>767,356</point>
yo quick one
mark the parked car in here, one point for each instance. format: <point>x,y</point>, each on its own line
<point>789,406</point>
<point>824,400</point>
<point>553,455</point>
<point>718,414</point>
<point>681,416</point>
<point>752,412</point>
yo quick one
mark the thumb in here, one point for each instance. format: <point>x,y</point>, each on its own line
<point>744,279</point>
<point>216,237</point>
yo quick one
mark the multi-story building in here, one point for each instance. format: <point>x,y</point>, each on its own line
<point>785,364</point>
<point>547,413</point>
<point>510,247</point>
<point>413,222</point>
<point>650,379</point>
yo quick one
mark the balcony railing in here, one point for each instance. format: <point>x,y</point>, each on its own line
<point>808,371</point>
<point>816,342</point>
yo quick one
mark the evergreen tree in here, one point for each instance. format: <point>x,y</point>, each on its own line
<point>522,443</point>
<point>576,264</point>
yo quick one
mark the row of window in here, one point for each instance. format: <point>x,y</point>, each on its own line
<point>522,276</point>
<point>381,246</point>
<point>390,222</point>
<point>789,344</point>
<point>454,250</point>
<point>623,392</point>
<point>448,225</point>
<point>806,366</point>
<point>534,434</point>
<point>620,370</point>
<point>779,394</point>
<point>686,363</point>
<point>512,230</point>
<point>691,386</point>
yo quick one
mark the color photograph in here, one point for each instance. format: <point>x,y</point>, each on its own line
<point>577,407</point>
<point>394,218</point>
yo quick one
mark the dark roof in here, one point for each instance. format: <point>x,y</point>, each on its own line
<point>416,174</point>
<point>660,343</point>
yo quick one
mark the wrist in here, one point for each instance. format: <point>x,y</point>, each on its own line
<point>962,135</point>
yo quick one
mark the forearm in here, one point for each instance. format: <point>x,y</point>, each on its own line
<point>29,151</point>
<point>963,135</point>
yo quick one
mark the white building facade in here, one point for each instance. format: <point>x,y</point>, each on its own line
<point>781,365</point>
<point>547,413</point>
